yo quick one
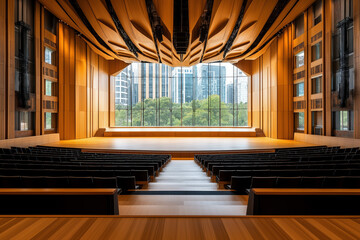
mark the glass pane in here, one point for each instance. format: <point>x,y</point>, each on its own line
<point>299,59</point>
<point>50,56</point>
<point>299,26</point>
<point>316,52</point>
<point>159,95</point>
<point>227,115</point>
<point>48,88</point>
<point>299,89</point>
<point>299,121</point>
<point>48,121</point>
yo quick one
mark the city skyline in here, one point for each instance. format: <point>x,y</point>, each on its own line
<point>140,81</point>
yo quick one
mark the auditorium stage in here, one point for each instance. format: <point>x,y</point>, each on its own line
<point>179,148</point>
<point>180,132</point>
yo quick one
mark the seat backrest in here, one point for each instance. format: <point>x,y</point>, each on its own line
<point>10,182</point>
<point>57,182</point>
<point>102,182</point>
<point>312,182</point>
<point>263,182</point>
<point>80,182</point>
<point>334,182</point>
<point>33,182</point>
<point>288,182</point>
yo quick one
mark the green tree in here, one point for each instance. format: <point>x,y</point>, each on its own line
<point>163,112</point>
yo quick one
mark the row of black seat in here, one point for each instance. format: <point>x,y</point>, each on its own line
<point>225,175</point>
<point>243,183</point>
<point>293,162</point>
<point>123,183</point>
<point>63,163</point>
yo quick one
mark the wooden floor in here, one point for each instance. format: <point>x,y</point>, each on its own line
<point>169,228</point>
<point>176,177</point>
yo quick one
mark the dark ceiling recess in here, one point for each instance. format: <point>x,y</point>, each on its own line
<point>181,26</point>
<point>280,5</point>
<point>205,24</point>
<point>235,31</point>
<point>121,30</point>
<point>205,20</point>
<point>155,22</point>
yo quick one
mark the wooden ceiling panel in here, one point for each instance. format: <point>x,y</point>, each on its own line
<point>143,30</point>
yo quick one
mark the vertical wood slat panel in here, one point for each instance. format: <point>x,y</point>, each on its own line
<point>328,71</point>
<point>89,93</point>
<point>103,93</point>
<point>356,6</point>
<point>94,63</point>
<point>3,78</point>
<point>38,66</point>
<point>61,79</point>
<point>80,86</point>
<point>274,96</point>
<point>10,69</point>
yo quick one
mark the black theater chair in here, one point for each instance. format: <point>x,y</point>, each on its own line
<point>80,182</point>
<point>352,182</point>
<point>334,182</point>
<point>312,182</point>
<point>10,182</point>
<point>288,182</point>
<point>57,182</point>
<point>263,182</point>
<point>104,182</point>
<point>33,182</point>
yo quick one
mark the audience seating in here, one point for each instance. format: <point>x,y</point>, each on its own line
<point>300,201</point>
<point>290,167</point>
<point>52,167</point>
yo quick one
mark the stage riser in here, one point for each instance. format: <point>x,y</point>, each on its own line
<point>179,134</point>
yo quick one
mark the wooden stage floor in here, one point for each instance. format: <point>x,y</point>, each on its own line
<point>179,147</point>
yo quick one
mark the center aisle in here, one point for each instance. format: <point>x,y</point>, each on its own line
<point>182,175</point>
<point>182,189</point>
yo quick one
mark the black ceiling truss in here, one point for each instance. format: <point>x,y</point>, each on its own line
<point>121,30</point>
<point>235,31</point>
<point>83,18</point>
<point>155,22</point>
<point>205,24</point>
<point>78,33</point>
<point>181,33</point>
<point>278,33</point>
<point>281,4</point>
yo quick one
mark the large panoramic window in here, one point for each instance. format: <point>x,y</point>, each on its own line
<point>148,94</point>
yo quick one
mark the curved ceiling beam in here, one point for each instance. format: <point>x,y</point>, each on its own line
<point>155,23</point>
<point>235,31</point>
<point>281,4</point>
<point>121,30</point>
<point>83,18</point>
